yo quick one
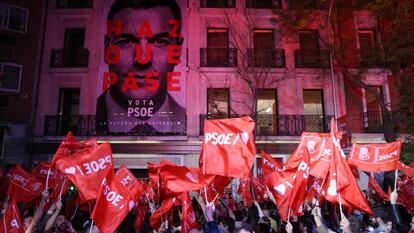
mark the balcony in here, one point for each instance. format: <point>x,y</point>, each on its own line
<point>373,122</point>
<point>77,4</point>
<point>85,125</point>
<point>283,125</point>
<point>369,58</point>
<point>218,3</point>
<point>310,58</point>
<point>264,4</point>
<point>218,57</point>
<point>266,58</point>
<point>61,58</point>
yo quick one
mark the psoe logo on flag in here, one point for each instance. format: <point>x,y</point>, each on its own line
<point>388,156</point>
<point>363,154</point>
<point>225,139</point>
<point>34,187</point>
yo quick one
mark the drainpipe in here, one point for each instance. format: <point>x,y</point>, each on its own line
<point>333,79</point>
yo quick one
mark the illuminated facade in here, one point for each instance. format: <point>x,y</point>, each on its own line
<point>220,52</point>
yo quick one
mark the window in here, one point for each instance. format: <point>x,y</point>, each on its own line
<point>263,38</point>
<point>266,112</point>
<point>10,77</point>
<point>372,113</point>
<point>368,48</point>
<point>309,55</point>
<point>73,45</point>
<point>13,18</point>
<point>68,111</point>
<point>313,110</point>
<point>264,53</point>
<point>218,103</point>
<point>218,53</point>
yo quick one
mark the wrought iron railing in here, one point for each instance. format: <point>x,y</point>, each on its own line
<point>218,3</point>
<point>374,122</point>
<point>309,58</point>
<point>282,125</point>
<point>267,58</point>
<point>218,57</point>
<point>61,58</point>
<point>370,58</point>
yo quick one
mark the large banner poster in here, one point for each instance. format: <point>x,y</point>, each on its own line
<point>143,84</point>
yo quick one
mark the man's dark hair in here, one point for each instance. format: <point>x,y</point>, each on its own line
<point>119,5</point>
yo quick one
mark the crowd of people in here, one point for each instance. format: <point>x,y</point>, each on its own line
<point>227,216</point>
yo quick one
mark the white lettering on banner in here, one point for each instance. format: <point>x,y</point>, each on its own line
<point>19,178</point>
<point>269,164</point>
<point>221,139</point>
<point>45,171</point>
<point>136,112</point>
<point>90,167</point>
<point>111,196</point>
<point>126,180</point>
<point>15,224</point>
<point>304,167</point>
<point>388,156</point>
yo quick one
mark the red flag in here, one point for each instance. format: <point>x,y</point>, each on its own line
<point>70,145</point>
<point>11,221</point>
<point>269,164</point>
<point>406,197</point>
<point>341,180</point>
<point>141,213</point>
<point>56,180</point>
<point>23,186</point>
<point>115,199</point>
<point>408,170</point>
<point>372,183</point>
<point>228,147</point>
<point>87,168</point>
<point>181,179</point>
<point>259,189</point>
<point>376,157</point>
<point>216,188</point>
<point>161,214</point>
<point>244,190</point>
<point>288,187</point>
<point>319,147</point>
<point>188,219</point>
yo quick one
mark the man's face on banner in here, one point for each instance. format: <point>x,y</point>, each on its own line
<point>132,19</point>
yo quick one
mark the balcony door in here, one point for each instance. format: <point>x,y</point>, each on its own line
<point>68,110</point>
<point>266,112</point>
<point>264,52</point>
<point>73,46</point>
<point>373,115</point>
<point>309,47</point>
<point>218,103</point>
<point>217,46</point>
<point>314,111</point>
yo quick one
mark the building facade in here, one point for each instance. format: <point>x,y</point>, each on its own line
<point>236,60</point>
<point>21,30</point>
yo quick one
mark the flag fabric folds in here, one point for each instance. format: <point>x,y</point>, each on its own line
<point>11,221</point>
<point>87,168</point>
<point>376,157</point>
<point>117,196</point>
<point>228,148</point>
